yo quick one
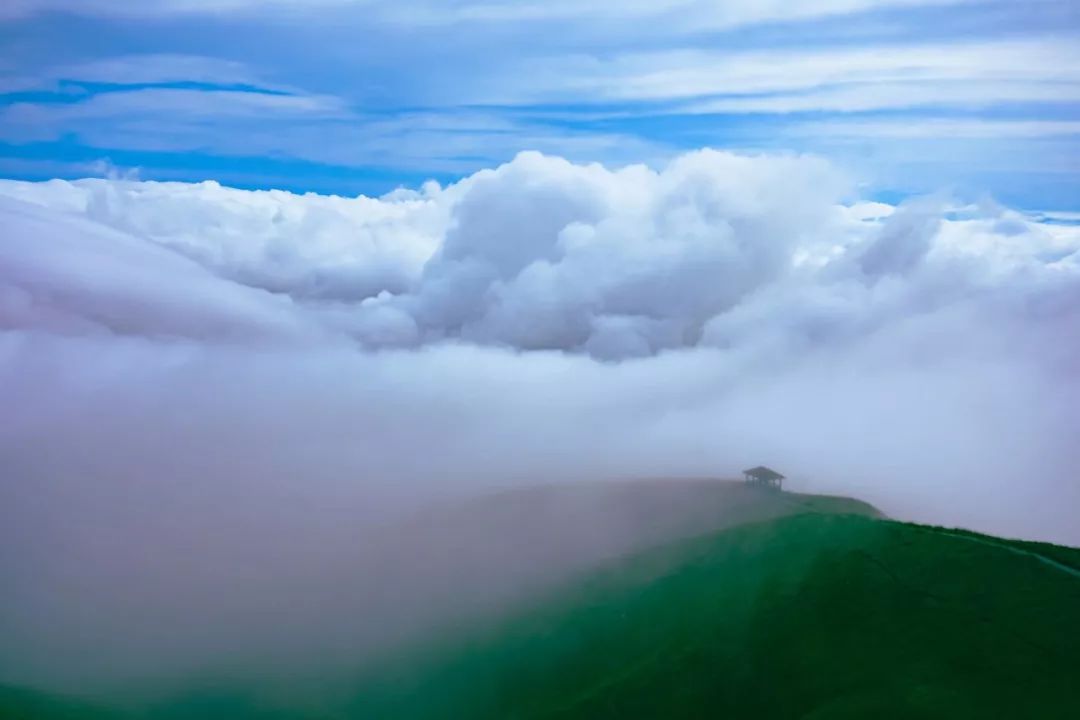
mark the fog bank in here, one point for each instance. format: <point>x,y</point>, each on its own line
<point>209,388</point>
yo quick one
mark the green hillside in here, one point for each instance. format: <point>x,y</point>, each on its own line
<point>813,616</point>
<point>830,612</point>
<point>23,704</point>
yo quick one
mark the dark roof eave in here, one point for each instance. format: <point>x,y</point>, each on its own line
<point>764,473</point>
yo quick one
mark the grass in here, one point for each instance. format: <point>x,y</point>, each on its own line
<point>24,704</point>
<point>821,615</point>
<point>813,616</point>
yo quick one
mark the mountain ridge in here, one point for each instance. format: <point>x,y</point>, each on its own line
<point>851,612</point>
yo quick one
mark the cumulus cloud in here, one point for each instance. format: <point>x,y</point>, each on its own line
<point>543,254</point>
<point>536,254</point>
<point>210,390</point>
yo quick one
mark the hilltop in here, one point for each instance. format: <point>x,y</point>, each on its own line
<point>527,540</point>
<point>807,616</point>
<point>693,599</point>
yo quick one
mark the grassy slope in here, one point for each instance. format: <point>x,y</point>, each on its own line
<point>22,704</point>
<point>819,615</point>
<point>812,616</point>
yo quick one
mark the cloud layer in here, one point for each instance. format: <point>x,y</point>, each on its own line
<point>230,385</point>
<point>715,250</point>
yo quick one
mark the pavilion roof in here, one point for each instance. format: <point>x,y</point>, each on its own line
<point>763,473</point>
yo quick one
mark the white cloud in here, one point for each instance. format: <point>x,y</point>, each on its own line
<point>701,13</point>
<point>939,128</point>
<point>894,96</point>
<point>70,275</point>
<point>544,254</point>
<point>856,78</point>
<point>176,103</point>
<point>135,8</point>
<point>213,398</point>
<point>318,128</point>
<point>673,16</point>
<point>156,68</point>
<point>308,246</point>
<point>468,113</point>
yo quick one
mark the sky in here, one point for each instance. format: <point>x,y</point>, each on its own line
<point>362,96</point>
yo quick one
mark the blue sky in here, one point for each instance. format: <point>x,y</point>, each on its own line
<point>977,97</point>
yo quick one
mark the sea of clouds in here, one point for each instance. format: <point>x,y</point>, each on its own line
<point>206,388</point>
<point>715,250</point>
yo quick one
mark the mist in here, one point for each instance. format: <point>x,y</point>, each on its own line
<point>216,402</point>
